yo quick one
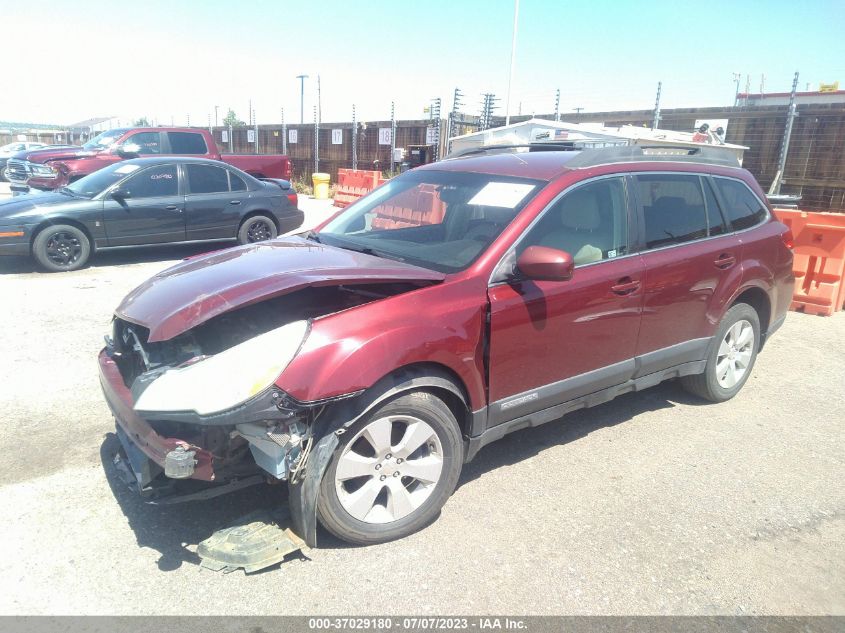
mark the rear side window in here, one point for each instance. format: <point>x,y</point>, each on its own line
<point>207,179</point>
<point>187,143</point>
<point>673,209</point>
<point>742,207</point>
<point>237,182</point>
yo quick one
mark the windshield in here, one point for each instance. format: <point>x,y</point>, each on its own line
<point>104,140</point>
<point>440,220</point>
<point>91,185</point>
<point>12,147</point>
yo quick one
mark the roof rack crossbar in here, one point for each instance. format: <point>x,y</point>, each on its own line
<point>592,157</point>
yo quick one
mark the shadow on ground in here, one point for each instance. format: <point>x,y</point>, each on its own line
<point>168,528</point>
<point>120,256</point>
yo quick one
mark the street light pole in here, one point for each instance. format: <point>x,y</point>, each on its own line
<point>513,56</point>
<point>302,79</point>
<point>215,115</point>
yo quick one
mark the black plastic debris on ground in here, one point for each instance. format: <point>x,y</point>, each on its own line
<point>254,542</point>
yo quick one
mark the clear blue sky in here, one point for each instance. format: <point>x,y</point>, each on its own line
<point>163,59</point>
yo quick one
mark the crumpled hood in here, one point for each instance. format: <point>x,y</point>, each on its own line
<point>196,290</point>
<point>61,153</point>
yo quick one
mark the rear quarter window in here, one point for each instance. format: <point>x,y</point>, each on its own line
<point>187,143</point>
<point>742,208</point>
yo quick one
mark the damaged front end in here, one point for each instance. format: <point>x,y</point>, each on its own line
<point>203,405</point>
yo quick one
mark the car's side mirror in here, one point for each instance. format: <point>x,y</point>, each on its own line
<point>544,263</point>
<point>128,150</point>
<point>120,194</point>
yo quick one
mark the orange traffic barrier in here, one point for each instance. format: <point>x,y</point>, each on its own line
<point>353,184</point>
<point>819,264</point>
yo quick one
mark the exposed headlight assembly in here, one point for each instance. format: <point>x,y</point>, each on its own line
<point>227,379</point>
<point>44,171</point>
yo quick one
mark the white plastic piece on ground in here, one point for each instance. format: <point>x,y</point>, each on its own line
<point>228,378</point>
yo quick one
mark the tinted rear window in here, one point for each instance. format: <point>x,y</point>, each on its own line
<point>187,143</point>
<point>207,179</point>
<point>237,182</point>
<point>742,207</point>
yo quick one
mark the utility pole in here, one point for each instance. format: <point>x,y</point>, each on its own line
<point>737,77</point>
<point>513,58</point>
<point>215,115</point>
<point>434,120</point>
<point>189,120</point>
<point>354,139</point>
<point>284,134</point>
<point>557,105</point>
<point>255,128</point>
<point>319,102</point>
<point>762,84</point>
<point>250,112</point>
<point>787,133</point>
<point>487,110</point>
<point>210,129</point>
<point>656,123</point>
<point>392,137</point>
<point>316,142</point>
<point>302,79</point>
<point>453,119</point>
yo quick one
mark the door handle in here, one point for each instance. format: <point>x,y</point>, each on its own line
<point>724,261</point>
<point>173,207</point>
<point>234,202</point>
<point>625,286</point>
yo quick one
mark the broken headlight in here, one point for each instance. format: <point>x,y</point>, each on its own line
<point>226,379</point>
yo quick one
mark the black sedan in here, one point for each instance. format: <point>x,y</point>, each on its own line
<point>146,201</point>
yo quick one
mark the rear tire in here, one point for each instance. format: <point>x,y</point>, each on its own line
<point>257,229</point>
<point>61,248</point>
<point>392,471</point>
<point>731,359</point>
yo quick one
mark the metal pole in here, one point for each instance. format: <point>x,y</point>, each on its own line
<point>316,142</point>
<point>513,57</point>
<point>557,105</point>
<point>210,129</point>
<point>354,139</point>
<point>302,79</point>
<point>250,111</point>
<point>392,138</point>
<point>215,115</point>
<point>787,133</point>
<point>737,77</point>
<point>284,134</point>
<point>656,122</point>
<point>231,139</point>
<point>255,127</point>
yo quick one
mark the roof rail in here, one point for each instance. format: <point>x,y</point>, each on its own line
<point>654,153</point>
<point>615,154</point>
<point>547,146</point>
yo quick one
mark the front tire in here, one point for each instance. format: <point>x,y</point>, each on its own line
<point>257,229</point>
<point>392,471</point>
<point>61,248</point>
<point>731,358</point>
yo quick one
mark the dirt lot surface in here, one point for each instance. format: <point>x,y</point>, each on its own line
<point>653,503</point>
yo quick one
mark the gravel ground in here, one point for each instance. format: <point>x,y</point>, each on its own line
<point>651,504</point>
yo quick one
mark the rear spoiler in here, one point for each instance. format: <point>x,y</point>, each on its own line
<point>283,184</point>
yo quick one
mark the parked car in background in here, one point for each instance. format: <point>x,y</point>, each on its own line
<point>367,361</point>
<point>48,169</point>
<point>146,201</point>
<point>13,148</point>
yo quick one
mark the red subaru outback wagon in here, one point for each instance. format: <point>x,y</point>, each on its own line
<point>365,362</point>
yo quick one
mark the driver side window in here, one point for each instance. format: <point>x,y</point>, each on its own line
<point>590,223</point>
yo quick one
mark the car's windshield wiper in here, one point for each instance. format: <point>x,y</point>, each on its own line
<point>370,251</point>
<point>68,192</point>
<point>313,236</point>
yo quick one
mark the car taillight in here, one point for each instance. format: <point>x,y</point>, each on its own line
<point>293,199</point>
<point>788,240</point>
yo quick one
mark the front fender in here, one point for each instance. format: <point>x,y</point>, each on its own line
<point>338,417</point>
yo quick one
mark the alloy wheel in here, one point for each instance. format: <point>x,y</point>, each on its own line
<point>735,353</point>
<point>389,469</point>
<point>259,231</point>
<point>63,248</point>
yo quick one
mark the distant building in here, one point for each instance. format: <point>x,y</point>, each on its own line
<point>83,130</point>
<point>782,98</point>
